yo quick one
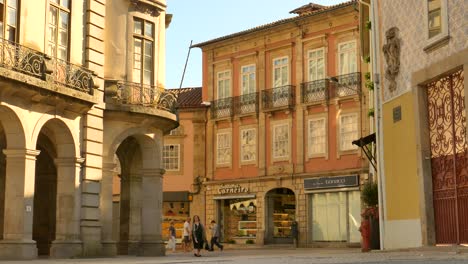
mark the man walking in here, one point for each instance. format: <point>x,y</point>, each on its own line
<point>215,234</point>
<point>186,235</point>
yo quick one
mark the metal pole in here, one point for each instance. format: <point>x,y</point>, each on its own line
<point>185,67</point>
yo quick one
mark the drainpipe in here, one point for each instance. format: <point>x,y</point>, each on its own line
<point>376,58</point>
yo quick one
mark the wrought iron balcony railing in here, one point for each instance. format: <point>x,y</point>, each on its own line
<point>246,104</point>
<point>21,59</point>
<point>71,75</point>
<point>16,57</point>
<point>279,97</point>
<point>348,84</point>
<point>129,93</point>
<point>222,108</point>
<point>314,91</point>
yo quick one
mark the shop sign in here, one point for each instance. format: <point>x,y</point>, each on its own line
<point>232,188</point>
<point>331,182</point>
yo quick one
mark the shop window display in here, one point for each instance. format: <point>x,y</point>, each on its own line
<point>240,219</point>
<point>177,212</point>
<point>284,213</point>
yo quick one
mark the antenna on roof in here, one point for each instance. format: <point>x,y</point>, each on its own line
<point>185,67</point>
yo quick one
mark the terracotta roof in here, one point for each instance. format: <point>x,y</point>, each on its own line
<point>307,9</point>
<point>189,97</point>
<point>277,23</point>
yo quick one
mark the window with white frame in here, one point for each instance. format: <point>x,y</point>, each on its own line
<point>248,144</point>
<point>9,19</point>
<point>317,136</point>
<point>347,58</point>
<point>171,157</point>
<point>143,42</point>
<point>224,84</point>
<point>223,148</point>
<point>58,28</point>
<point>281,141</point>
<point>248,79</point>
<point>348,131</point>
<point>316,64</point>
<point>280,72</point>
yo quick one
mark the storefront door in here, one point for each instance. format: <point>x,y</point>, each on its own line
<point>280,213</point>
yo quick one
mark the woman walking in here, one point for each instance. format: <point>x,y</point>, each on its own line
<point>198,236</point>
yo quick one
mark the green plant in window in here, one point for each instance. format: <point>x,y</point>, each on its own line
<point>367,76</point>
<point>368,25</point>
<point>367,59</point>
<point>370,85</point>
<point>371,112</point>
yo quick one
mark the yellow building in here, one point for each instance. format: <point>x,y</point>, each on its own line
<point>419,67</point>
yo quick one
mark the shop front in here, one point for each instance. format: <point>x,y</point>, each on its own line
<point>334,204</point>
<point>280,212</point>
<point>236,212</point>
<point>176,208</point>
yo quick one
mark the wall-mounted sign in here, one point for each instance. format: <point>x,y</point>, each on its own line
<point>232,188</point>
<point>331,182</point>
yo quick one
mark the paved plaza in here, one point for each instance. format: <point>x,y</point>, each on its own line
<point>280,256</point>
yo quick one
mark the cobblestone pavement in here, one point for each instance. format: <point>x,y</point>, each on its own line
<point>277,256</point>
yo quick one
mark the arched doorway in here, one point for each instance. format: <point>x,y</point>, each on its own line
<point>127,201</point>
<point>56,210</point>
<point>45,194</point>
<point>280,212</point>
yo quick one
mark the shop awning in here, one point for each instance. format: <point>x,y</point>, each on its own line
<point>176,196</point>
<point>244,204</point>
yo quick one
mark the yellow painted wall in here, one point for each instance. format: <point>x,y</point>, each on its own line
<point>401,180</point>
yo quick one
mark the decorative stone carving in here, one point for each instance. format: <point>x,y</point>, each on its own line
<point>145,7</point>
<point>392,56</point>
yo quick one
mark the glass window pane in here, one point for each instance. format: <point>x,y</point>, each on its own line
<point>148,29</point>
<point>148,63</point>
<point>63,38</point>
<point>53,15</point>
<point>148,48</point>
<point>12,17</point>
<point>147,77</point>
<point>13,3</point>
<point>137,27</point>
<point>11,33</point>
<point>63,20</point>
<point>66,3</point>
<point>62,53</point>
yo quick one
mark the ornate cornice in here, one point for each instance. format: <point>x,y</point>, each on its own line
<point>150,7</point>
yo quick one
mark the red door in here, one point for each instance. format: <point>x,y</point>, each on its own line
<point>449,158</point>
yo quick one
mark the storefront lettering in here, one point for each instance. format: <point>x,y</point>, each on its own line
<point>232,188</point>
<point>335,181</point>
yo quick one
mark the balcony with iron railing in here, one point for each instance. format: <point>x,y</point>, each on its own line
<point>137,97</point>
<point>278,98</point>
<point>37,69</point>
<point>222,108</point>
<point>315,91</point>
<point>246,104</point>
<point>347,84</point>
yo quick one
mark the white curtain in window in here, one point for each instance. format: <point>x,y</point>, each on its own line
<point>317,140</point>
<point>316,65</point>
<point>348,131</point>
<point>347,58</point>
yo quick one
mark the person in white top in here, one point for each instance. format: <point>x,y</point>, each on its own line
<point>186,236</point>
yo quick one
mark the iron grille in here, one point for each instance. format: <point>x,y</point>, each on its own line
<point>314,91</point>
<point>279,97</point>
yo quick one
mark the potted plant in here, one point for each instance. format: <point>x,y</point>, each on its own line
<point>370,217</point>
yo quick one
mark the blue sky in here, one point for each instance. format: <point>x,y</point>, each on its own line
<point>202,20</point>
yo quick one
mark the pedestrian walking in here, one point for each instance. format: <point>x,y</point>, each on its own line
<point>172,237</point>
<point>198,235</point>
<point>215,235</point>
<point>186,234</point>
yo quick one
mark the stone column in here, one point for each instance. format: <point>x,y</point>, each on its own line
<point>67,241</point>
<point>109,247</point>
<point>17,240</point>
<point>151,243</point>
<point>130,211</point>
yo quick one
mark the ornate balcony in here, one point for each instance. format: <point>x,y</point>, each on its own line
<point>222,108</point>
<point>129,94</point>
<point>315,91</point>
<point>33,69</point>
<point>348,84</point>
<point>278,98</point>
<point>71,75</point>
<point>246,104</point>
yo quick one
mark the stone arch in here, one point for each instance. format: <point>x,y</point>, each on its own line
<point>56,213</point>
<point>12,136</point>
<point>138,151</point>
<point>280,212</point>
